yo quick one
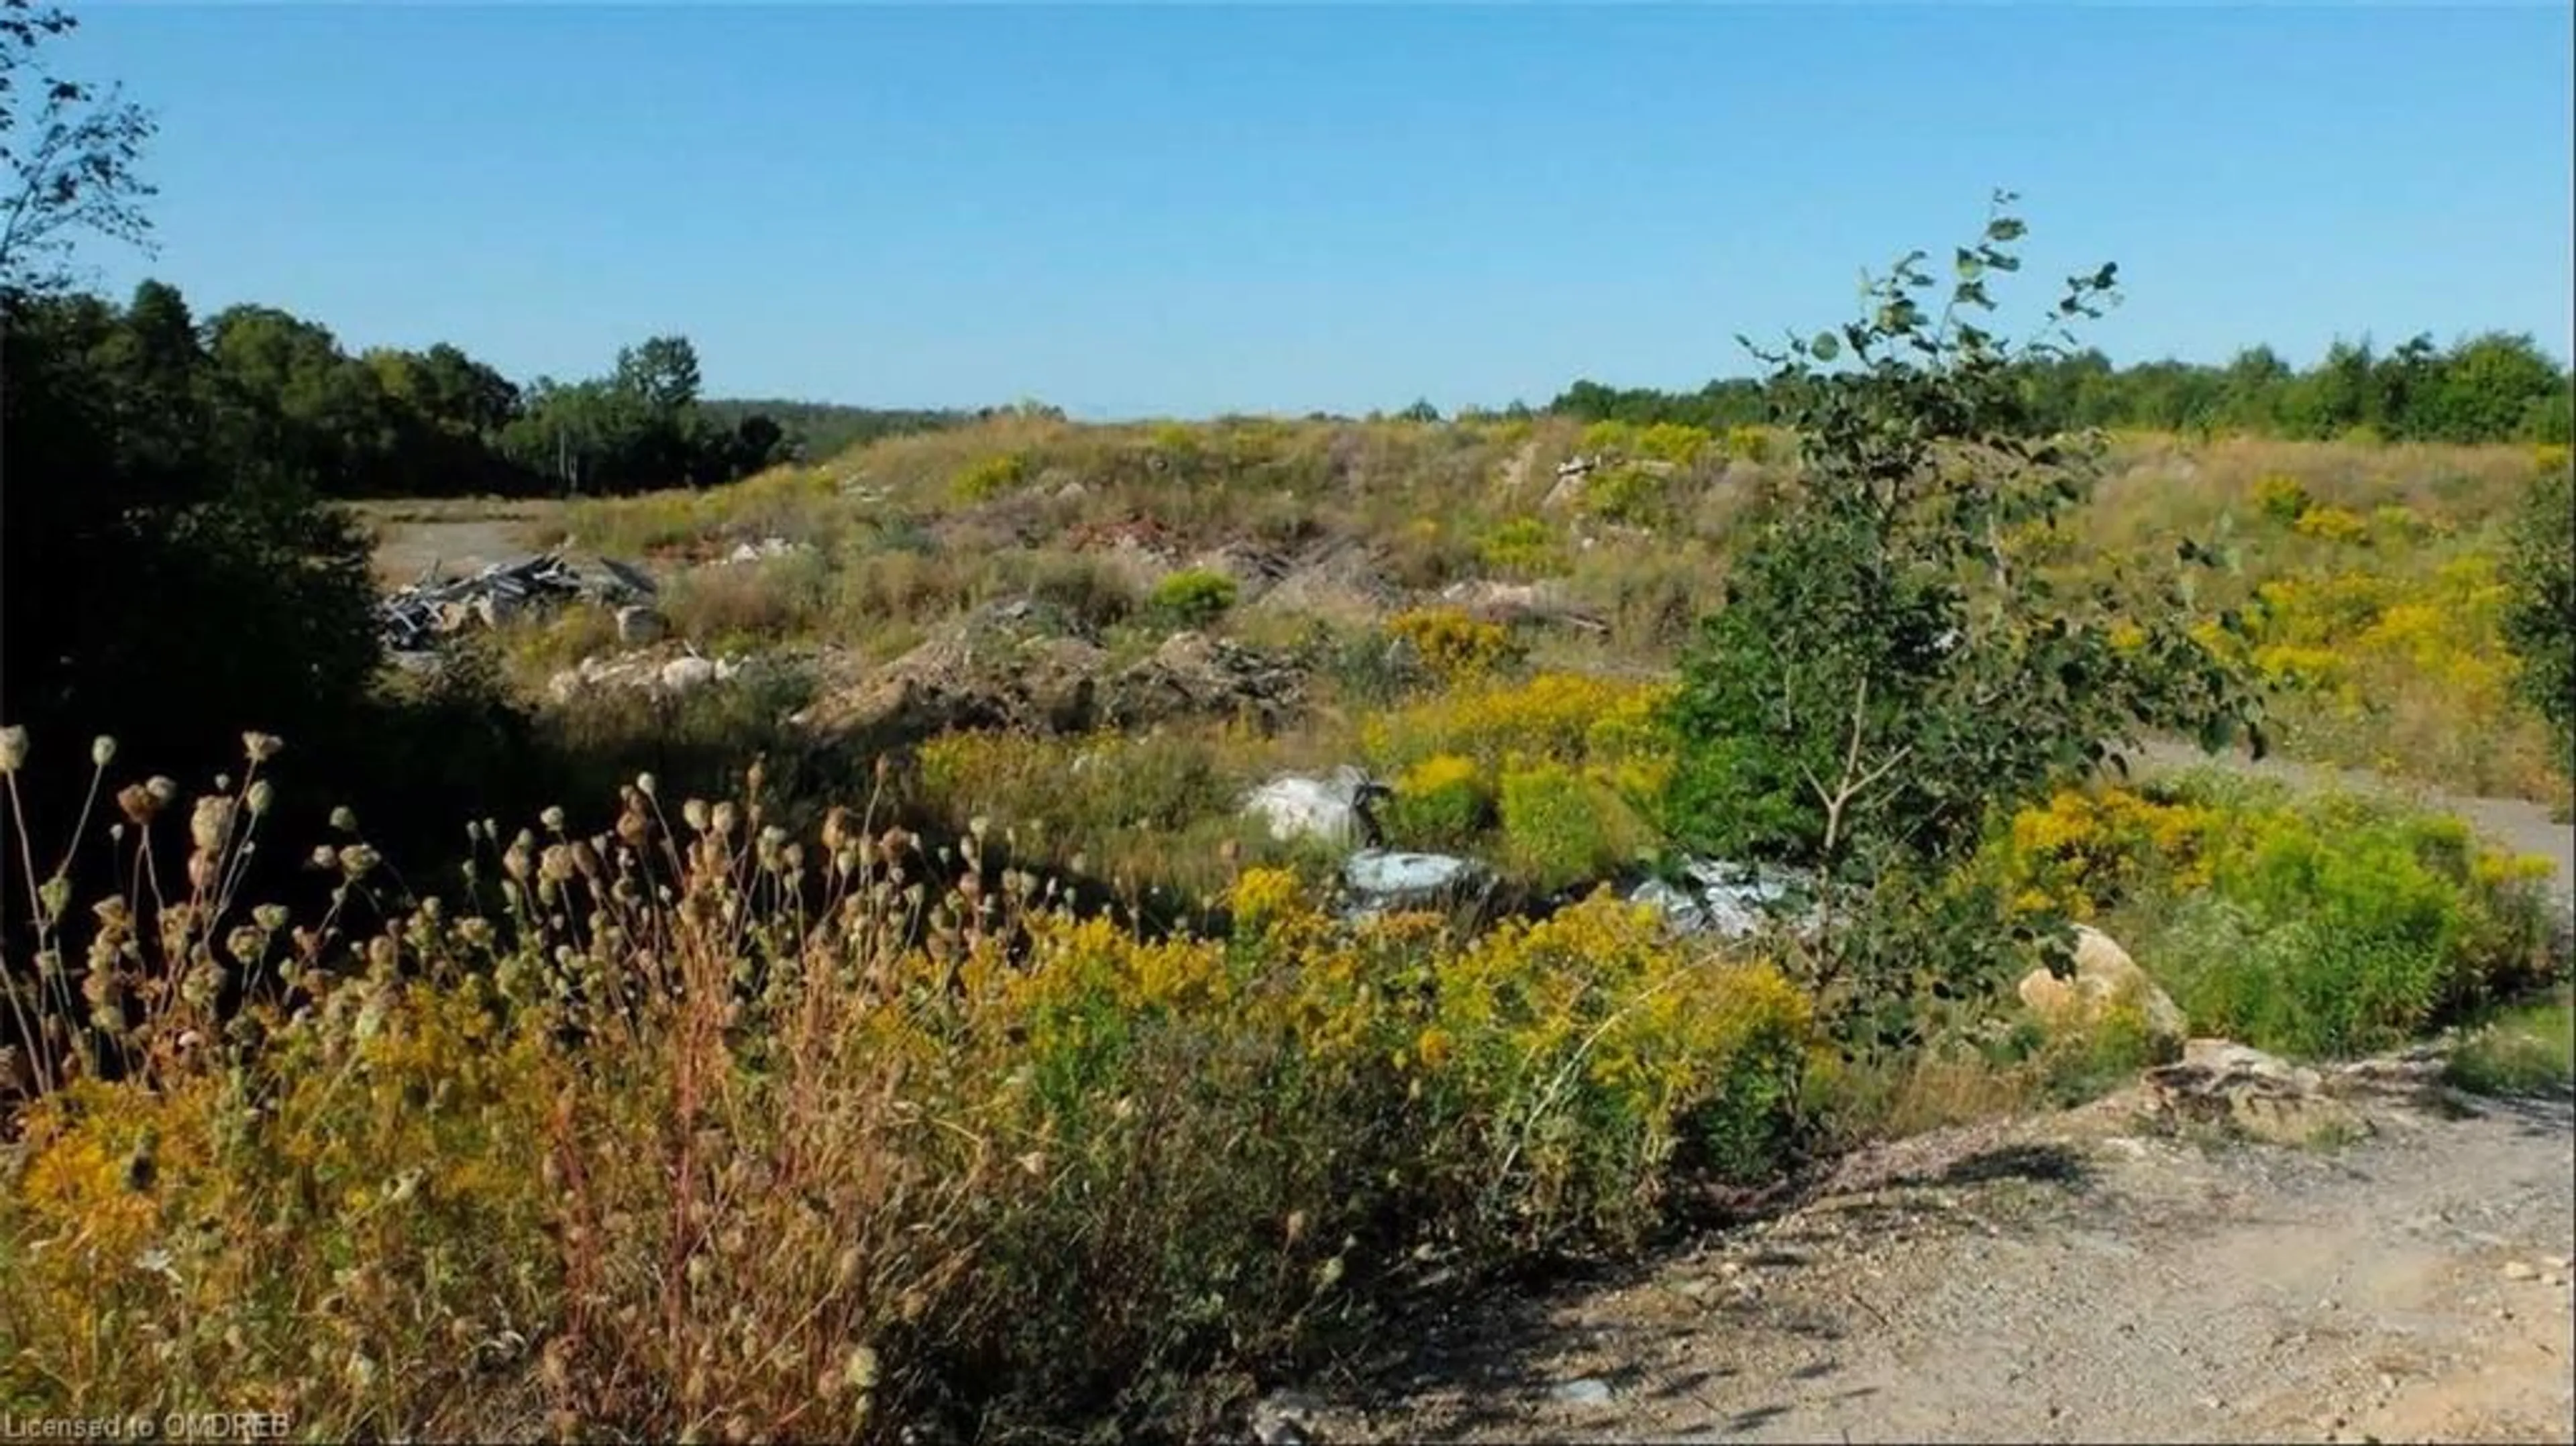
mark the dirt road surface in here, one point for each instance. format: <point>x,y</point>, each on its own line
<point>457,538</point>
<point>2060,1280</point>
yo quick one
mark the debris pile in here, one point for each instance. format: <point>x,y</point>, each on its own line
<point>413,619</point>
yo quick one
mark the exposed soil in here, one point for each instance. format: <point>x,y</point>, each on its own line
<point>2074,1278</point>
<point>455,538</point>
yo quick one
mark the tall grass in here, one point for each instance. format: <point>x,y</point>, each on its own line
<point>686,1127</point>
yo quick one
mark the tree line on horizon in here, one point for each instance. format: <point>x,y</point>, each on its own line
<point>389,422</point>
<point>2492,387</point>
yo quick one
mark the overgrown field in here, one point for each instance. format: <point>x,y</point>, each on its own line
<point>1413,572</point>
<point>692,1127</point>
<point>975,1063</point>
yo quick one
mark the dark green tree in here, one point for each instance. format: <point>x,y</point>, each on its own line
<point>1892,665</point>
<point>2540,623</point>
<point>662,374</point>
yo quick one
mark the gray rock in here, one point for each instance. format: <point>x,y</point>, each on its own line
<point>1728,900</point>
<point>2240,1088</point>
<point>681,675</point>
<point>639,626</point>
<point>1332,809</point>
<point>763,550</point>
<point>1587,1391</point>
<point>1383,882</point>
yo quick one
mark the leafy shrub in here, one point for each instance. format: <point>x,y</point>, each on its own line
<point>2088,850</point>
<point>2409,669</point>
<point>2282,498</point>
<point>1563,827</point>
<point>990,477</point>
<point>2540,620</point>
<point>1606,435</point>
<point>2332,524</point>
<point>2400,524</point>
<point>1522,547</point>
<point>1194,596</point>
<point>1454,646</point>
<point>1673,442</point>
<point>1175,442</point>
<point>1442,803</point>
<point>1889,668</point>
<point>1574,718</point>
<point>1631,494</point>
<point>2326,926</point>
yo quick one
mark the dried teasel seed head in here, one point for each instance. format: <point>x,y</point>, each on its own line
<point>210,827</point>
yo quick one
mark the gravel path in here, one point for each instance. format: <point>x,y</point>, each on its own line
<point>2062,1280</point>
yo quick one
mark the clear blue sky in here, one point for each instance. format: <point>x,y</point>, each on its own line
<point>1180,210</point>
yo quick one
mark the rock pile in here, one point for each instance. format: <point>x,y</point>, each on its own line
<point>1024,666</point>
